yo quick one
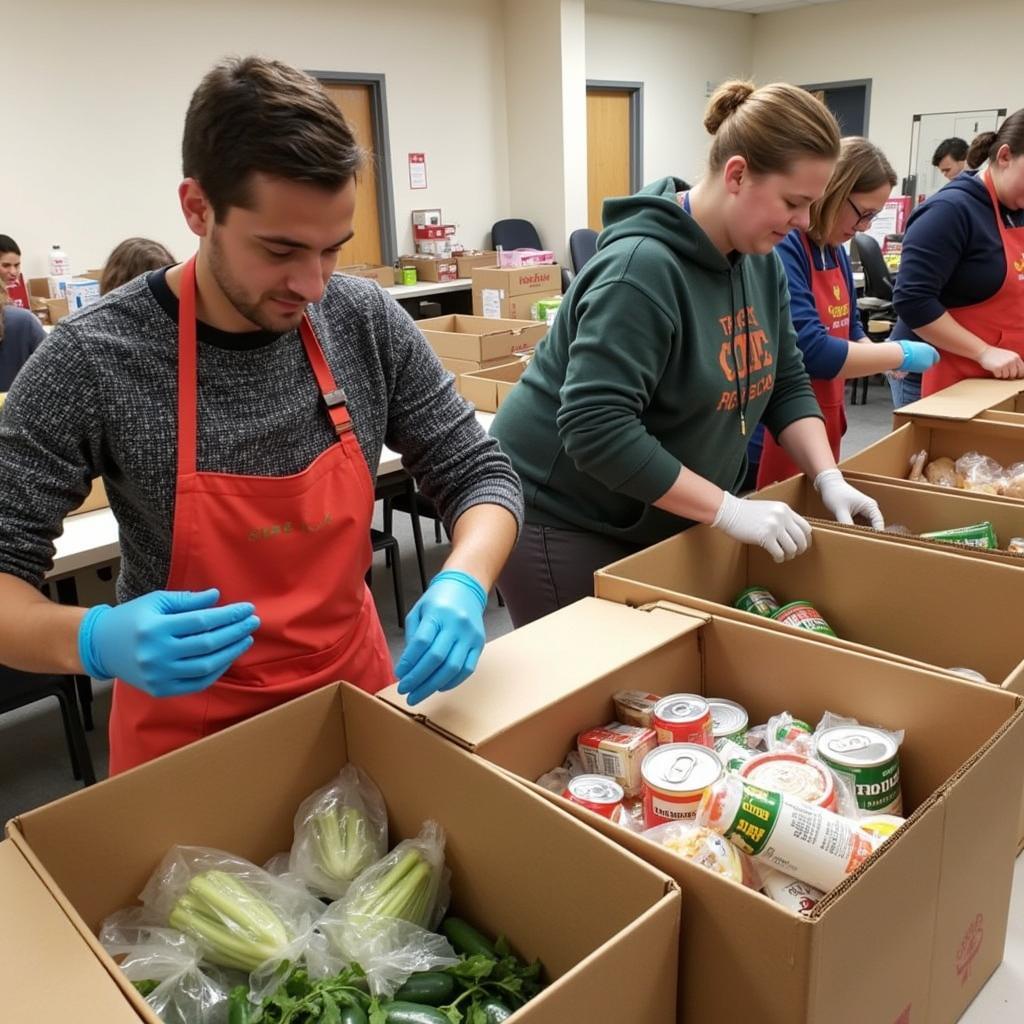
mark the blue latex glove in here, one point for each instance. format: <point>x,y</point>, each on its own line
<point>167,643</point>
<point>918,356</point>
<point>444,636</point>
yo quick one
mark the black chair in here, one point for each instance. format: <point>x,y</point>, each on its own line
<point>877,276</point>
<point>385,542</point>
<point>582,245</point>
<point>514,234</point>
<point>398,491</point>
<point>566,279</point>
<point>18,689</point>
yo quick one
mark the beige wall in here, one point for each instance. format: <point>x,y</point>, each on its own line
<point>98,125</point>
<point>675,51</point>
<point>922,56</point>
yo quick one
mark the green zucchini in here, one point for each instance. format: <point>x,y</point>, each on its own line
<point>494,1010</point>
<point>466,939</point>
<point>413,1013</point>
<point>353,1015</point>
<point>433,988</point>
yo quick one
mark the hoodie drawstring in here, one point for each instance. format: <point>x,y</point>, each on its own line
<point>742,400</point>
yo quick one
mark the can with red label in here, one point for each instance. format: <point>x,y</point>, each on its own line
<point>596,792</point>
<point>683,718</point>
<point>675,777</point>
<point>802,615</point>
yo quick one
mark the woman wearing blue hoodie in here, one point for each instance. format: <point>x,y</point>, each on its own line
<point>961,280</point>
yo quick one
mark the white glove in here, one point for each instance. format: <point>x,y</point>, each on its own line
<point>771,525</point>
<point>845,502</point>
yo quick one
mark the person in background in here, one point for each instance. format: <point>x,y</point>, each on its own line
<point>236,407</point>
<point>823,300</point>
<point>20,335</point>
<point>129,259</point>
<point>961,280</point>
<point>950,157</point>
<point>632,420</point>
<point>10,273</point>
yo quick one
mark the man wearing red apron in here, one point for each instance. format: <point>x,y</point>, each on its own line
<point>236,407</point>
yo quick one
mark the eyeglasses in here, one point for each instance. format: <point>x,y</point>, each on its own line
<point>863,219</point>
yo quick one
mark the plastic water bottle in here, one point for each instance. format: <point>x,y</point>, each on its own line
<point>60,265</point>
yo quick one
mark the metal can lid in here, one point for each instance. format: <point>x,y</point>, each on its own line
<point>856,746</point>
<point>727,717</point>
<point>597,789</point>
<point>681,707</point>
<point>681,768</point>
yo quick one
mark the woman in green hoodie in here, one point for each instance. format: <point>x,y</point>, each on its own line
<point>631,422</point>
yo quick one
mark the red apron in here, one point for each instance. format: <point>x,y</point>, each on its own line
<point>998,321</point>
<point>833,301</point>
<point>297,547</point>
<point>17,293</point>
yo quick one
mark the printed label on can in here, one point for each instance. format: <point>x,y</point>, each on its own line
<point>755,821</point>
<point>757,601</point>
<point>801,615</point>
<point>675,810</point>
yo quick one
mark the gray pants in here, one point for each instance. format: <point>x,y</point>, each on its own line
<point>551,568</point>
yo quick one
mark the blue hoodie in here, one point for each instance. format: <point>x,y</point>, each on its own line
<point>952,254</point>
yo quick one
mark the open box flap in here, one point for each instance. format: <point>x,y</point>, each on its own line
<point>962,401</point>
<point>539,665</point>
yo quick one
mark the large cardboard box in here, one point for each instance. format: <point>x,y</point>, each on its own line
<point>919,510</point>
<point>384,276</point>
<point>480,339</point>
<point>994,401</point>
<point>493,288</point>
<point>471,258</point>
<point>890,458</point>
<point>487,389</point>
<point>432,268</point>
<point>593,913</point>
<point>47,972</point>
<point>912,936</point>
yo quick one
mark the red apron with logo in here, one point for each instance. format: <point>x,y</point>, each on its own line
<point>297,547</point>
<point>18,295</point>
<point>998,321</point>
<point>833,302</point>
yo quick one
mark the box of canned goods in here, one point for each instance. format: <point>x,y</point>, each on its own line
<point>617,750</point>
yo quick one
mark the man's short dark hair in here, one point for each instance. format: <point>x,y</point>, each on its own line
<point>252,115</point>
<point>8,244</point>
<point>954,147</point>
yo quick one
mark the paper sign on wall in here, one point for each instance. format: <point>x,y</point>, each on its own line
<point>417,170</point>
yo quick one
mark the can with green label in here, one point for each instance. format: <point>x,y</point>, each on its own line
<point>802,615</point>
<point>872,757</point>
<point>757,601</point>
<point>729,720</point>
<point>980,535</point>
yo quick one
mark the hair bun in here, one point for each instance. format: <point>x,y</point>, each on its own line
<point>727,99</point>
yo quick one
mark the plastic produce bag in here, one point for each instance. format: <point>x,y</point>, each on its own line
<point>977,472</point>
<point>184,993</point>
<point>917,461</point>
<point>707,848</point>
<point>386,919</point>
<point>340,830</point>
<point>240,916</point>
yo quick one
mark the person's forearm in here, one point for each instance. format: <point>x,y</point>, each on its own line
<point>807,444</point>
<point>863,360</point>
<point>482,540</point>
<point>692,497</point>
<point>946,334</point>
<point>37,635</point>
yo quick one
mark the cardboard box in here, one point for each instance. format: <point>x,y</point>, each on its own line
<point>919,510</point>
<point>441,249</point>
<point>889,458</point>
<point>39,287</point>
<point>995,401</point>
<point>487,389</point>
<point>433,232</point>
<point>81,292</point>
<point>480,339</point>
<point>473,258</point>
<point>47,972</point>
<point>591,912</point>
<point>932,608</point>
<point>430,268</point>
<point>912,936</point>
<point>493,288</point>
<point>384,276</point>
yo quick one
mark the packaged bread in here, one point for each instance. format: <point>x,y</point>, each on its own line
<point>941,472</point>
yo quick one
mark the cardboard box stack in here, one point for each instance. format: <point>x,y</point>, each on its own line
<point>513,293</point>
<point>384,276</point>
<point>432,268</point>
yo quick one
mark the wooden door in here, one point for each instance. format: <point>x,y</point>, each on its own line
<point>608,149</point>
<point>356,102</point>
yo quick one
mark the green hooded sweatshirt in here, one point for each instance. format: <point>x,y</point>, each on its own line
<point>662,351</point>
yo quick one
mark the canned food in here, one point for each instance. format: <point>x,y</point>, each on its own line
<point>617,751</point>
<point>757,601</point>
<point>788,892</point>
<point>597,792</point>
<point>728,720</point>
<point>675,777</point>
<point>881,826</point>
<point>872,758</point>
<point>808,843</point>
<point>734,755</point>
<point>683,718</point>
<point>793,731</point>
<point>803,778</point>
<point>634,707</point>
<point>802,615</point>
<point>979,535</point>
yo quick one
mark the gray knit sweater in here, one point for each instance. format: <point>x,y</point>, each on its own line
<point>99,398</point>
